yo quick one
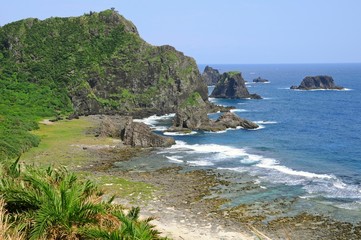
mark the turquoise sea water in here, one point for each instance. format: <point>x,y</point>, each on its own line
<point>307,148</point>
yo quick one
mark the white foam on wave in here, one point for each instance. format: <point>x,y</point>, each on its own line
<point>265,122</point>
<point>317,90</point>
<point>267,169</point>
<point>153,120</point>
<point>273,164</point>
<point>238,110</point>
<point>180,133</point>
<point>176,159</point>
<point>221,151</point>
<point>201,163</point>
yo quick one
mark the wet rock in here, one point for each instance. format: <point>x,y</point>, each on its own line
<point>231,120</point>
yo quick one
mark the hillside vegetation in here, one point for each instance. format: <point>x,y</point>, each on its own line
<point>95,63</point>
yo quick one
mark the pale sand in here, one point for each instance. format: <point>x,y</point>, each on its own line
<point>186,225</point>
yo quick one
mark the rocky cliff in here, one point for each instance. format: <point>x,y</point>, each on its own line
<point>192,115</point>
<point>317,82</point>
<point>97,63</point>
<point>210,76</point>
<point>232,85</point>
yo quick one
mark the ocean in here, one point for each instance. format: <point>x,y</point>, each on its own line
<point>307,149</point>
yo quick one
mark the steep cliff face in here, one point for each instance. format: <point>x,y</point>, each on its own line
<point>210,75</point>
<point>100,63</point>
<point>232,85</point>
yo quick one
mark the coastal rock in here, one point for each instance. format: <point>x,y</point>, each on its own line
<point>131,133</point>
<point>317,82</point>
<point>210,75</point>
<point>260,80</point>
<point>140,135</point>
<point>232,85</point>
<point>191,114</point>
<point>231,120</point>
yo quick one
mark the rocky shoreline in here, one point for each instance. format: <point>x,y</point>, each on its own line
<point>189,203</point>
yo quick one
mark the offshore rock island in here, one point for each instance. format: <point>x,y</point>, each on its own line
<point>318,82</point>
<point>232,85</point>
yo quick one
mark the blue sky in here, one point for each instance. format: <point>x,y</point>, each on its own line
<point>228,31</point>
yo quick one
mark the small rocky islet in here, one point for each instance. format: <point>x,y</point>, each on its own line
<point>321,82</point>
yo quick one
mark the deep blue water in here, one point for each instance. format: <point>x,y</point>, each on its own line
<point>309,143</point>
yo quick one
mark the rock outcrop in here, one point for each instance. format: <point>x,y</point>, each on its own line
<point>140,135</point>
<point>192,115</point>
<point>210,76</point>
<point>232,85</point>
<point>132,133</point>
<point>317,82</point>
<point>231,120</point>
<point>260,80</point>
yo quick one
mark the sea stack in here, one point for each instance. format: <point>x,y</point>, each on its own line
<point>232,85</point>
<point>210,75</point>
<point>260,80</point>
<point>317,82</point>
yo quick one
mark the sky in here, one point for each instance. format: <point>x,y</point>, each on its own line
<point>227,31</point>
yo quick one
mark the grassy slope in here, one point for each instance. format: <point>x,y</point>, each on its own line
<point>62,145</point>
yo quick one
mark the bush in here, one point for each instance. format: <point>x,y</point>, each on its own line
<point>54,204</point>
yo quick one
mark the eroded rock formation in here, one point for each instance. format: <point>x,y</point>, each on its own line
<point>317,82</point>
<point>232,85</point>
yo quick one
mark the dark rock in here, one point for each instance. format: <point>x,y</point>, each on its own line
<point>317,82</point>
<point>231,120</point>
<point>213,108</point>
<point>140,135</point>
<point>132,133</point>
<point>232,85</point>
<point>260,80</point>
<point>210,75</point>
<point>191,114</point>
<point>194,117</point>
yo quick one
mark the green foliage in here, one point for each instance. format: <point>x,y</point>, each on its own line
<point>233,73</point>
<point>98,57</point>
<point>54,204</point>
<point>192,100</point>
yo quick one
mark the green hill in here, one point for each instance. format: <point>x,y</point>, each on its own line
<point>96,63</point>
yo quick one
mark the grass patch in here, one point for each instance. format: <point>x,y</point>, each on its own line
<point>62,145</point>
<point>125,189</point>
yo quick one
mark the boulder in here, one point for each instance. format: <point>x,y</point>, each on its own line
<point>132,133</point>
<point>232,85</point>
<point>260,80</point>
<point>210,75</point>
<point>140,135</point>
<point>317,82</point>
<point>231,120</point>
<point>191,114</point>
